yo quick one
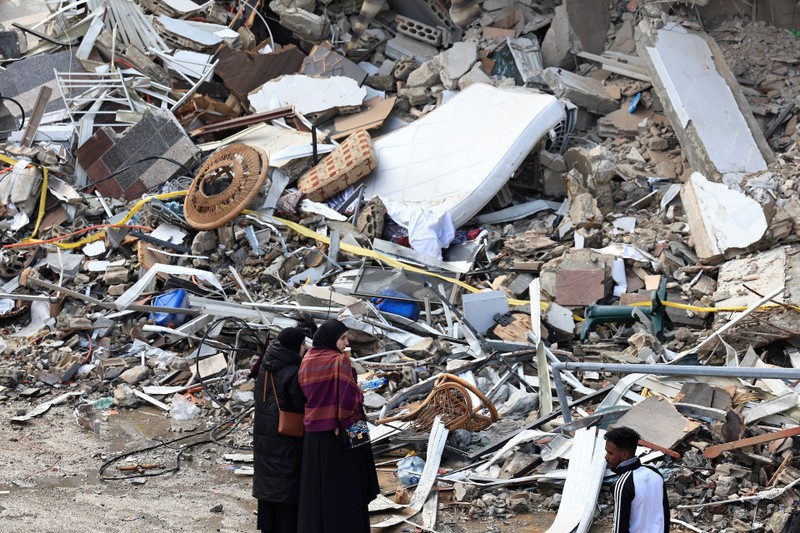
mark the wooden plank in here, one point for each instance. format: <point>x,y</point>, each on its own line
<point>714,451</point>
<point>617,67</point>
<point>36,116</point>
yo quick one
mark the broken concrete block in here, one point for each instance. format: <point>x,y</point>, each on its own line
<point>425,349</point>
<point>580,287</point>
<point>134,375</point>
<point>404,67</point>
<point>124,396</point>
<point>520,284</point>
<point>203,242</point>
<point>416,95</point>
<point>475,75</point>
<point>587,93</point>
<point>666,169</point>
<point>583,211</point>
<point>634,157</point>
<point>427,75</point>
<point>117,274</point>
<point>403,46</point>
<point>117,290</point>
<point>578,26</point>
<point>421,32</point>
<point>624,39</point>
<point>305,24</point>
<point>726,486</point>
<point>554,182</point>
<point>723,222</point>
<point>762,273</point>
<point>158,133</point>
<point>456,62</point>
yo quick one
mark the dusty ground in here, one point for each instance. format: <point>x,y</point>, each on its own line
<point>49,480</point>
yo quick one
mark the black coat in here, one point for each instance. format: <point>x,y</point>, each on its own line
<point>277,457</point>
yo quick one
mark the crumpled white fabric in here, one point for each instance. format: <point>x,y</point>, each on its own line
<point>428,231</point>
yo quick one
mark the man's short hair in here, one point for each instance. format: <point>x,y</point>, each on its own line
<point>623,438</point>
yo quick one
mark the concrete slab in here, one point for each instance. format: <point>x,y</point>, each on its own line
<point>578,26</point>
<point>587,93</point>
<point>712,120</point>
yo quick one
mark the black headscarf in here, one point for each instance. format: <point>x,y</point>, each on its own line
<point>328,333</point>
<point>292,339</point>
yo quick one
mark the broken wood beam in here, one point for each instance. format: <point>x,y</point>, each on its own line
<point>241,122</point>
<point>714,451</point>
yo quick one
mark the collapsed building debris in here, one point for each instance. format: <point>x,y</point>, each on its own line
<point>539,220</point>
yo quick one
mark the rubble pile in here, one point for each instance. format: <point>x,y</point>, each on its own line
<point>538,220</point>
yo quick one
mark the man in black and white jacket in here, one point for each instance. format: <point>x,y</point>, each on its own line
<point>640,497</point>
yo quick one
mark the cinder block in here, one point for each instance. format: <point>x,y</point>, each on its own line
<point>419,31</point>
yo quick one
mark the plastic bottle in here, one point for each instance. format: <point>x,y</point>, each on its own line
<point>409,469</point>
<point>374,383</point>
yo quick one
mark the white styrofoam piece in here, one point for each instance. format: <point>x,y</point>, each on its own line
<point>456,158</point>
<point>308,95</point>
<point>701,96</point>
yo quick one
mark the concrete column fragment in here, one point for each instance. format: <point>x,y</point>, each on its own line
<point>723,222</point>
<point>712,120</point>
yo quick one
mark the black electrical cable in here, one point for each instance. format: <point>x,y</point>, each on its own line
<point>234,420</point>
<point>143,160</point>
<point>21,110</point>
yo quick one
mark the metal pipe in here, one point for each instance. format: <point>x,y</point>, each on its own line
<point>315,154</point>
<point>664,370</point>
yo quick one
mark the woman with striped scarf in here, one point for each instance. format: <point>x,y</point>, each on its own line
<point>337,482</point>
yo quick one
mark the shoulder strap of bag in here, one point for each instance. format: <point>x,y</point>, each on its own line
<point>275,394</point>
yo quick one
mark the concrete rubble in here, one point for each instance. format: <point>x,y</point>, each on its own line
<point>526,202</point>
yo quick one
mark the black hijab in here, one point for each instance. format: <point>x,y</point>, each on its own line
<point>328,333</point>
<point>292,339</point>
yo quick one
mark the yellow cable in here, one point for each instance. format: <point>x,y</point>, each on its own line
<point>364,252</point>
<point>141,203</point>
<point>696,309</point>
<point>42,195</point>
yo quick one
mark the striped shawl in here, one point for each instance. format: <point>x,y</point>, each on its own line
<point>332,404</point>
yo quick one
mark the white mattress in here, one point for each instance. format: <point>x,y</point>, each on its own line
<point>456,158</point>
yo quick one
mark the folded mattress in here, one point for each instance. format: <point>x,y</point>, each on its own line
<point>456,158</point>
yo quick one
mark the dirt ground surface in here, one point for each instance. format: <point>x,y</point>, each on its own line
<point>49,480</point>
